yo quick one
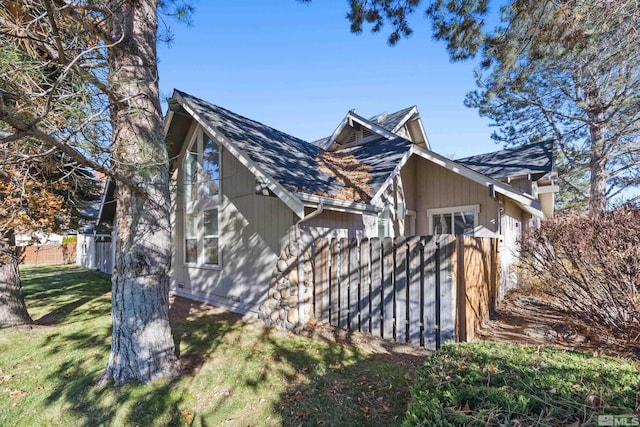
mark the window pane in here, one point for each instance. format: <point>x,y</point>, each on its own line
<point>191,250</point>
<point>383,227</point>
<point>210,166</point>
<point>191,225</point>
<point>211,222</point>
<point>464,222</point>
<point>442,223</point>
<point>211,251</point>
<point>190,177</point>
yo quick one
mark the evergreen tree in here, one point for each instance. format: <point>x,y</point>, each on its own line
<point>82,79</point>
<point>567,70</point>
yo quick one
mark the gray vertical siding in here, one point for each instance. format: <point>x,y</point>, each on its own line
<point>437,187</point>
<point>253,228</point>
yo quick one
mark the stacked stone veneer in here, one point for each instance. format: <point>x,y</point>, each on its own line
<point>281,309</point>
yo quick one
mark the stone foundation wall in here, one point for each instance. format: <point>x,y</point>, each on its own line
<point>282,307</point>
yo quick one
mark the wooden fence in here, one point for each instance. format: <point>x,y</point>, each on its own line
<point>95,252</point>
<point>47,254</point>
<point>422,290</point>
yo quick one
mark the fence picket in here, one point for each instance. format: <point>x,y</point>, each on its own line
<point>414,285</point>
<point>429,293</point>
<point>447,288</point>
<point>343,284</point>
<point>354,286</point>
<point>388,288</point>
<point>333,284</point>
<point>364,301</point>
<point>401,290</point>
<point>321,279</point>
<point>376,287</point>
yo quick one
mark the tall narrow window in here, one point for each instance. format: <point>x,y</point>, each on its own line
<point>384,223</point>
<point>201,183</point>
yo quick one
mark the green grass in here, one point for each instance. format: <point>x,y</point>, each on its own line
<point>499,384</point>
<point>234,374</point>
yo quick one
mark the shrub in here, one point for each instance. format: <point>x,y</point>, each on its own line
<point>72,238</point>
<point>589,266</point>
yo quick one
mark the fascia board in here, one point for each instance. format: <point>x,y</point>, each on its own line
<point>353,117</point>
<point>167,121</point>
<point>424,133</point>
<point>336,132</point>
<point>372,126</point>
<point>405,119</point>
<point>312,200</point>
<point>544,189</point>
<point>283,194</point>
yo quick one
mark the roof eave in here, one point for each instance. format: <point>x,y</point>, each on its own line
<point>313,201</point>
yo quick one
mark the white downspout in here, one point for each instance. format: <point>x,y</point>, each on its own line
<point>312,215</point>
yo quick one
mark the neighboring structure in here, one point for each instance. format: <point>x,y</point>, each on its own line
<point>243,191</point>
<point>95,250</point>
<point>38,238</point>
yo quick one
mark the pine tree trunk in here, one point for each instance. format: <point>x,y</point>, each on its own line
<point>597,166</point>
<point>142,346</point>
<point>13,311</point>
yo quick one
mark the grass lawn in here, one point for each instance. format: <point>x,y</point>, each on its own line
<point>497,384</point>
<point>236,373</point>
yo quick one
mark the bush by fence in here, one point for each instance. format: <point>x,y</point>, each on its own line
<point>589,267</point>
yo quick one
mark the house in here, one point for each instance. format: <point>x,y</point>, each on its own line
<point>94,248</point>
<point>241,191</point>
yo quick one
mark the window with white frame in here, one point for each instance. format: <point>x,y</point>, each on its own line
<point>455,220</point>
<point>201,183</point>
<point>384,222</point>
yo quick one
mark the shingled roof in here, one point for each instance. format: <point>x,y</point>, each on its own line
<point>390,121</point>
<point>531,159</point>
<point>294,162</point>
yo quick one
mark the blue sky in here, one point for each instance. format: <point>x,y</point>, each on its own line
<point>297,67</point>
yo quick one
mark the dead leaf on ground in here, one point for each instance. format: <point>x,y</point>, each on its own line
<point>186,415</point>
<point>596,401</point>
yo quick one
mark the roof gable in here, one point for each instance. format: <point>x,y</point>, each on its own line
<point>351,122</point>
<point>394,121</point>
<point>292,164</point>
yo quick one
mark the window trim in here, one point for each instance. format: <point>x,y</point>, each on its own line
<point>201,204</point>
<point>455,209</point>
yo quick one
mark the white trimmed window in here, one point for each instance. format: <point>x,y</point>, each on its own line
<point>384,223</point>
<point>455,220</point>
<point>201,183</point>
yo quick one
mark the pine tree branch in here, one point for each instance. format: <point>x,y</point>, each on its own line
<point>55,32</point>
<point>30,130</point>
